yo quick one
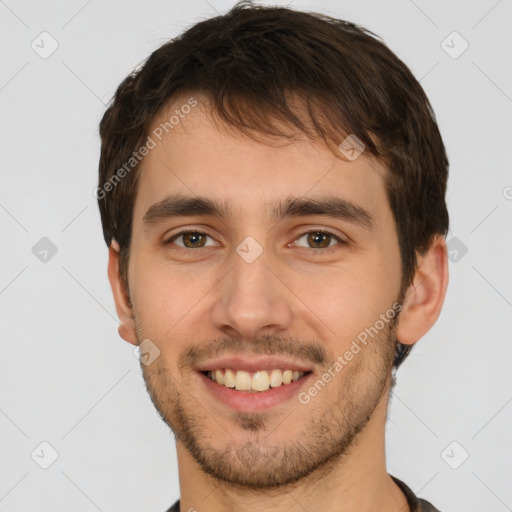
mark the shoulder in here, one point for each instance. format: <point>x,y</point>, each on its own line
<point>175,507</point>
<point>415,504</point>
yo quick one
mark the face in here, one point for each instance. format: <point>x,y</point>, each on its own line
<point>263,267</point>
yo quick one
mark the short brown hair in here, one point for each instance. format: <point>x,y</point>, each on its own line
<point>246,63</point>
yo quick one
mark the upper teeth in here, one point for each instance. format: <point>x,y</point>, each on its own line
<point>257,381</point>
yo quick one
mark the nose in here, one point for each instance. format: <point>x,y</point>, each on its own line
<point>251,300</point>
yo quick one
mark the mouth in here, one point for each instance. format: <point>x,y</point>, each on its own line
<point>254,383</point>
<point>257,381</point>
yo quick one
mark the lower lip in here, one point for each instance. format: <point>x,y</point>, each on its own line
<point>243,401</point>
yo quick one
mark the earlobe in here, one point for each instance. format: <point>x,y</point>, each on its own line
<point>425,296</point>
<point>126,327</point>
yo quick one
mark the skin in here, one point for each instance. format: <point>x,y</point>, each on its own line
<point>325,455</point>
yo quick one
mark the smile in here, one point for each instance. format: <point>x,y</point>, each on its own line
<point>258,381</point>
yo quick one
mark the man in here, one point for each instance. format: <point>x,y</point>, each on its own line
<point>272,192</point>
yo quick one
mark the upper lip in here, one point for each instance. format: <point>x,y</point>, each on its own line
<point>252,364</point>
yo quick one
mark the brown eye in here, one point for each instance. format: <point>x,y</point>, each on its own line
<point>191,240</point>
<point>318,240</point>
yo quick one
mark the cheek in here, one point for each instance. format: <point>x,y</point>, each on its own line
<point>158,299</point>
<point>345,312</point>
<point>344,302</point>
<point>166,300</point>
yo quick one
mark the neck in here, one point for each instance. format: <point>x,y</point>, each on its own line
<point>358,481</point>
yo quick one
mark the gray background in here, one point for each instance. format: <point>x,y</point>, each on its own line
<point>68,379</point>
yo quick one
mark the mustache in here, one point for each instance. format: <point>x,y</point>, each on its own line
<point>271,345</point>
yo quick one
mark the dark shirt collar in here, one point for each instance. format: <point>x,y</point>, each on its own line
<point>415,504</point>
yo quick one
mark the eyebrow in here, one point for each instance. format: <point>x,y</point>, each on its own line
<point>335,207</point>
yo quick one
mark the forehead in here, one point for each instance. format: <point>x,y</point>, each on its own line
<point>194,153</point>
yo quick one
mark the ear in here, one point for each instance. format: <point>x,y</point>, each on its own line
<point>126,327</point>
<point>425,296</point>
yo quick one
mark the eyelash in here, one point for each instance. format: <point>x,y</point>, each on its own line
<point>315,251</point>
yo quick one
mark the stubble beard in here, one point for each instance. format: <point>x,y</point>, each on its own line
<point>249,457</point>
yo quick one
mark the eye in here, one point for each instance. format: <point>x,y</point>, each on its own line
<point>319,239</point>
<point>191,239</point>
